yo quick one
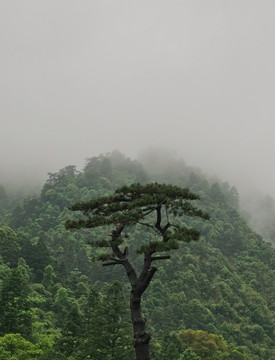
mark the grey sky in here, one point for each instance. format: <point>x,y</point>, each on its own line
<point>79,78</point>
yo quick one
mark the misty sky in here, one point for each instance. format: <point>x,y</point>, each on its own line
<point>80,78</point>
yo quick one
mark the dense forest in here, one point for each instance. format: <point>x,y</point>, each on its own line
<point>214,299</point>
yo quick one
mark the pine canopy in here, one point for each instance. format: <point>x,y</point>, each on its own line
<point>135,204</point>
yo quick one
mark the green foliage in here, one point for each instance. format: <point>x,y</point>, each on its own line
<point>15,347</point>
<point>224,284</point>
<point>49,277</point>
<point>158,246</point>
<point>203,344</point>
<point>131,205</point>
<point>9,246</point>
<point>15,304</point>
<point>36,253</point>
<point>108,331</point>
<point>188,354</point>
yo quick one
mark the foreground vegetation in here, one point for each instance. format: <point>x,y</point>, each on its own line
<point>214,299</point>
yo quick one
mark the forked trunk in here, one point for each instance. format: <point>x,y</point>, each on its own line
<point>141,336</point>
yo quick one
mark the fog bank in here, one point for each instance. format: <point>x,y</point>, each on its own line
<point>83,78</point>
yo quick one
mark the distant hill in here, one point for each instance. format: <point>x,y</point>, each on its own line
<point>224,284</point>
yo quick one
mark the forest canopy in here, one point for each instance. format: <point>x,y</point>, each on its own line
<point>63,305</point>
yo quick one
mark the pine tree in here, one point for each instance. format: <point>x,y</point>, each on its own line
<point>155,207</point>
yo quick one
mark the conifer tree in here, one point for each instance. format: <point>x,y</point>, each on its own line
<point>155,207</point>
<point>105,329</point>
<point>15,303</point>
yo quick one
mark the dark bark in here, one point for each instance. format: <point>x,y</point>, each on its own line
<point>141,336</point>
<point>161,229</point>
<point>138,284</point>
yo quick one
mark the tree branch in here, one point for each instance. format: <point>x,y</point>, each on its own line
<point>150,210</point>
<point>123,257</point>
<point>112,263</point>
<point>164,235</point>
<point>132,276</point>
<point>146,266</point>
<point>164,257</point>
<point>150,226</point>
<point>158,222</point>
<point>148,279</point>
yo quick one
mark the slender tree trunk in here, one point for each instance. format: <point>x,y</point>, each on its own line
<point>141,336</point>
<point>139,285</point>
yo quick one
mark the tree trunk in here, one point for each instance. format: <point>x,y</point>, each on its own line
<point>141,336</point>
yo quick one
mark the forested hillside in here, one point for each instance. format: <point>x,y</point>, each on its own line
<point>214,299</point>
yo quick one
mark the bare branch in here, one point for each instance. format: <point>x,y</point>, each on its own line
<point>148,278</point>
<point>158,222</point>
<point>146,266</point>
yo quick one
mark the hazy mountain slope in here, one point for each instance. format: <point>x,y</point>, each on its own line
<point>222,284</point>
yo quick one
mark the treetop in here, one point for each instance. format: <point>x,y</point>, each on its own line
<point>130,204</point>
